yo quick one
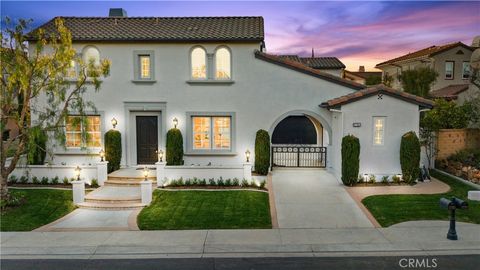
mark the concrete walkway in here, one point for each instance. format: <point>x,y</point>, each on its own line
<point>312,198</point>
<point>411,238</point>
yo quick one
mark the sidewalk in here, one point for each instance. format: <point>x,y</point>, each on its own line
<point>410,238</point>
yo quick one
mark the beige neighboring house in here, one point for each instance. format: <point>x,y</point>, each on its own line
<point>361,75</point>
<point>451,61</point>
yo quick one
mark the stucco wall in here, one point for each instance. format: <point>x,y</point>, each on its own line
<point>401,117</point>
<point>260,94</point>
<point>451,55</point>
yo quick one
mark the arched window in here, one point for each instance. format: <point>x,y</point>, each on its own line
<point>222,64</point>
<point>91,53</point>
<point>199,63</point>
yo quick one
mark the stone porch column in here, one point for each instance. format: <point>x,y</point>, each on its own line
<point>146,190</point>
<point>102,172</point>
<point>247,170</point>
<point>160,167</point>
<point>78,191</point>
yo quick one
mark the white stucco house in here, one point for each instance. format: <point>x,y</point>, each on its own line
<point>214,76</point>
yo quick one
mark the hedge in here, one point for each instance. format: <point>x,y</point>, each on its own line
<point>262,152</point>
<point>37,146</point>
<point>410,156</point>
<point>113,149</point>
<point>350,159</point>
<point>174,155</point>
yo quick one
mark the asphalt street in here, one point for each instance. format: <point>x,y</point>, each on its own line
<point>450,262</point>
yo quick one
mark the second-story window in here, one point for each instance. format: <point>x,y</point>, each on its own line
<point>449,69</point>
<point>144,61</point>
<point>198,60</point>
<point>91,54</point>
<point>465,70</point>
<point>222,64</point>
<point>72,69</point>
<point>144,69</point>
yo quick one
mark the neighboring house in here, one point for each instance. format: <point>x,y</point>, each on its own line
<point>457,92</point>
<point>362,76</point>
<point>329,65</point>
<point>451,62</point>
<point>213,76</point>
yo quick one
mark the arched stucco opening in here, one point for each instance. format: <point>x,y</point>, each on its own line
<point>296,129</point>
<point>322,128</point>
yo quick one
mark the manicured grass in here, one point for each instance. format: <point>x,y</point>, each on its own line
<point>41,207</point>
<point>392,209</point>
<point>181,210</point>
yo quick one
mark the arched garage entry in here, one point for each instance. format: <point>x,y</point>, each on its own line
<point>299,140</point>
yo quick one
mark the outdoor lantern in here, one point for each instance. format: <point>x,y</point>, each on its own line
<point>175,122</point>
<point>102,155</point>
<point>114,122</point>
<point>247,155</point>
<point>160,155</point>
<point>145,172</point>
<point>77,172</point>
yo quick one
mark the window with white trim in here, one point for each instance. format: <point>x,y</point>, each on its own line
<point>91,54</point>
<point>465,70</point>
<point>211,132</point>
<point>222,64</point>
<point>73,131</point>
<point>449,69</point>
<point>379,130</point>
<point>72,70</point>
<point>198,61</point>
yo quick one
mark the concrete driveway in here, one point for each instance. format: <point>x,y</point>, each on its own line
<point>313,198</point>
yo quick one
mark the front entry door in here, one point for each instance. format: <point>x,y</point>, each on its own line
<point>147,139</point>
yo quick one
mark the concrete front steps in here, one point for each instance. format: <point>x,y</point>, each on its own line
<point>128,180</point>
<point>120,197</point>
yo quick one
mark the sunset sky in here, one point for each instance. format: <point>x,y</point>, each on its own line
<point>358,32</point>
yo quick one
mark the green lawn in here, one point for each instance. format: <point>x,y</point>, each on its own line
<point>182,210</point>
<point>392,209</point>
<point>42,206</point>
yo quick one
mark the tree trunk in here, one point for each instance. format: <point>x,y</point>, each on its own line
<point>3,187</point>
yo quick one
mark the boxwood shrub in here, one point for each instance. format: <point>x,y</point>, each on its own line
<point>174,155</point>
<point>262,152</point>
<point>113,149</point>
<point>350,159</point>
<point>410,156</point>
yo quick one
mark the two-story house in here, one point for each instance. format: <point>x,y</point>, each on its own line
<point>212,78</point>
<point>451,62</point>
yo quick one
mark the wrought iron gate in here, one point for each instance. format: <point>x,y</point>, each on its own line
<point>299,156</point>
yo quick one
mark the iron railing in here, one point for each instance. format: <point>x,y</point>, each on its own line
<point>299,156</point>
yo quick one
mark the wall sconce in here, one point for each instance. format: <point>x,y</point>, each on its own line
<point>145,172</point>
<point>175,122</point>
<point>102,155</point>
<point>160,155</point>
<point>114,122</point>
<point>247,155</point>
<point>77,172</point>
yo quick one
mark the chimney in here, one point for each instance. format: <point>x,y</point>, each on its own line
<point>117,12</point>
<point>361,68</point>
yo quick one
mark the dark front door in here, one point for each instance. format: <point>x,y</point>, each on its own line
<point>147,139</point>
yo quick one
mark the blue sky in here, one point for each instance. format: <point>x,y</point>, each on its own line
<point>359,33</point>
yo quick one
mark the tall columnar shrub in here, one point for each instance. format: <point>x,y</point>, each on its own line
<point>174,155</point>
<point>37,146</point>
<point>262,152</point>
<point>113,149</point>
<point>350,159</point>
<point>410,156</point>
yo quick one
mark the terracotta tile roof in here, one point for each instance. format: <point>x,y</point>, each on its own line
<point>316,62</point>
<point>172,29</point>
<point>365,74</point>
<point>298,66</point>
<point>450,92</point>
<point>427,52</point>
<point>375,90</point>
